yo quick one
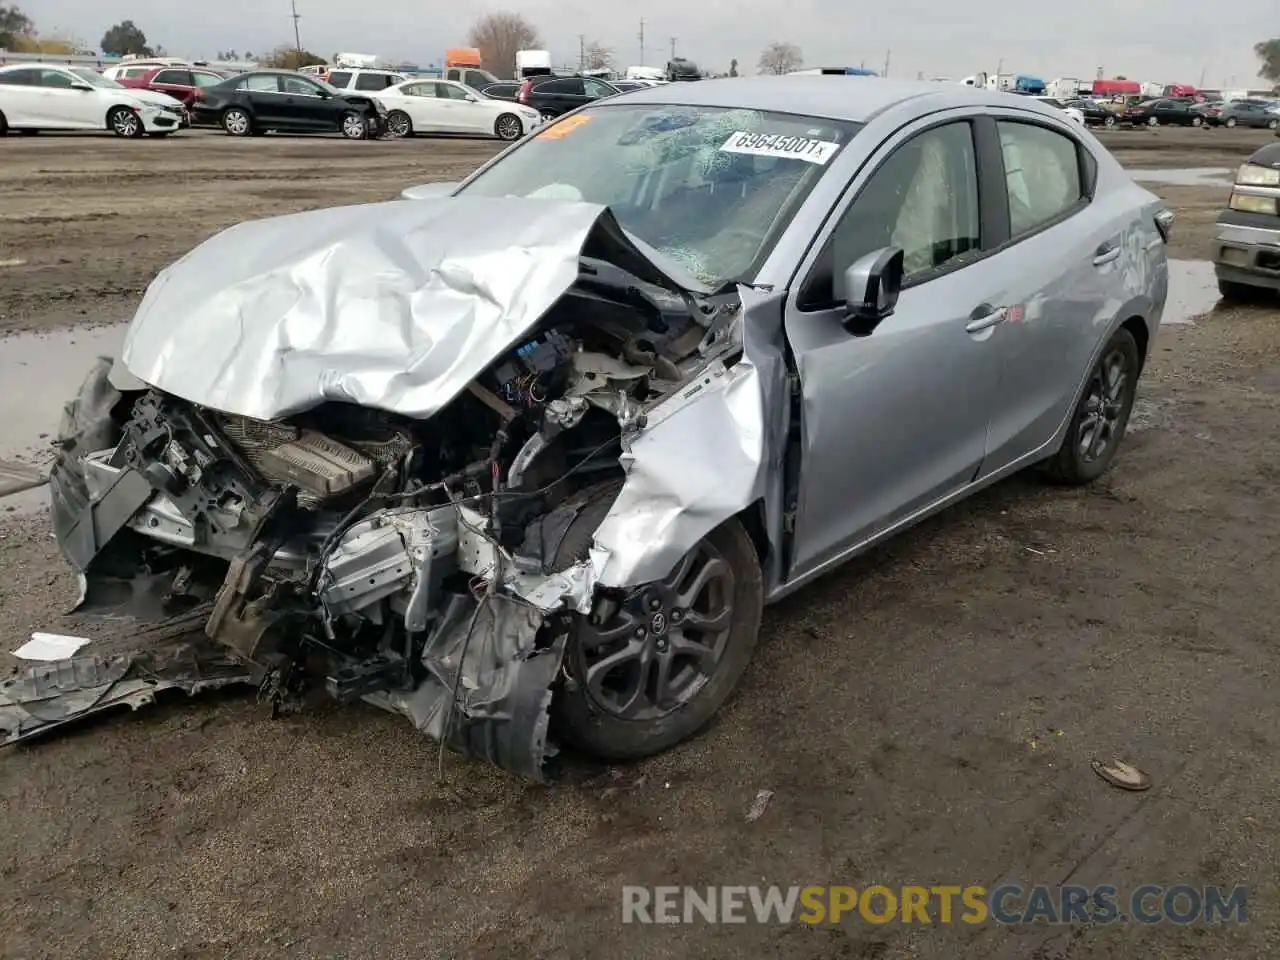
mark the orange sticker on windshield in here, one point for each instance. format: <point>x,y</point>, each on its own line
<point>562,128</point>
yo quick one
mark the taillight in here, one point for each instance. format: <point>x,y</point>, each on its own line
<point>525,88</point>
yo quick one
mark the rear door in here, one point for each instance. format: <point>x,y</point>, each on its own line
<point>425,109</point>
<point>20,96</point>
<point>265,99</point>
<point>1059,276</point>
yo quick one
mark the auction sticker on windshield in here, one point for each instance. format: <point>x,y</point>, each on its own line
<point>781,145</point>
<point>562,128</point>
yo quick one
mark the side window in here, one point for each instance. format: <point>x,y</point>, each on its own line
<point>340,79</point>
<point>420,90</point>
<point>570,86</point>
<point>922,198</point>
<point>453,74</point>
<point>56,79</point>
<point>262,83</point>
<point>595,88</point>
<point>299,87</point>
<point>371,81</point>
<point>22,78</point>
<point>1042,174</point>
<point>206,79</point>
<point>447,91</point>
<point>179,77</point>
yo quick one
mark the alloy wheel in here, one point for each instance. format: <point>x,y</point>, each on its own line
<point>509,128</point>
<point>399,125</point>
<point>1104,406</point>
<point>660,647</point>
<point>125,123</point>
<point>236,123</point>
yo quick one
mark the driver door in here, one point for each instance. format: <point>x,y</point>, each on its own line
<point>894,420</point>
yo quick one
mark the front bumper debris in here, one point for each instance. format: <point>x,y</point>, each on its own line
<point>1247,249</point>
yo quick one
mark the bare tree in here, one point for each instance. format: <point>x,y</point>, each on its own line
<point>498,36</point>
<point>1268,52</point>
<point>780,58</point>
<point>597,56</point>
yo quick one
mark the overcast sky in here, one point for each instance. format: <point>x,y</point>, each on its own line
<point>1171,41</point>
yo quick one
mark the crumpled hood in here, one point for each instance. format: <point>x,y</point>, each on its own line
<point>397,306</point>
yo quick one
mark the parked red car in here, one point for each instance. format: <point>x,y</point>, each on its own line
<point>181,83</point>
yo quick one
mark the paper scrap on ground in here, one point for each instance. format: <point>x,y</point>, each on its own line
<point>50,646</point>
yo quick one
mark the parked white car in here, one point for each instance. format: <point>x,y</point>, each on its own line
<point>359,80</point>
<point>1071,112</point>
<point>442,106</point>
<point>37,96</point>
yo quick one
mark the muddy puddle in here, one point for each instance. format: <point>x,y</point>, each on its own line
<point>1187,177</point>
<point>1193,291</point>
<point>38,374</point>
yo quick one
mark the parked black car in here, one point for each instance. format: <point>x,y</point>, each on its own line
<point>502,91</point>
<point>1094,113</point>
<point>253,103</point>
<point>1153,113</point>
<point>551,96</point>
<point>1260,114</point>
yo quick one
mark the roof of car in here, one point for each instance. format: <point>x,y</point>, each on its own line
<point>836,97</point>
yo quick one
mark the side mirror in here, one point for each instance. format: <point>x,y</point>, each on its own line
<point>871,287</point>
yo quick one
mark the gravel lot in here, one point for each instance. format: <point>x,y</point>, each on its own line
<point>925,715</point>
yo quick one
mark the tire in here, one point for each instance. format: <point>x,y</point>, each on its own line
<point>1109,122</point>
<point>399,124</point>
<point>1196,121</point>
<point>353,126</point>
<point>1229,122</point>
<point>508,127</point>
<point>588,720</point>
<point>1101,416</point>
<point>1273,124</point>
<point>4,125</point>
<point>1233,292</point>
<point>1153,121</point>
<point>237,122</point>
<point>547,116</point>
<point>124,122</point>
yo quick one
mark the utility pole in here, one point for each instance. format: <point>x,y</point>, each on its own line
<point>887,55</point>
<point>641,35</point>
<point>297,39</point>
<point>582,52</point>
<point>1203,71</point>
<point>673,47</point>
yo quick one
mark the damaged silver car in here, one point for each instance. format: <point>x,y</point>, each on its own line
<point>524,462</point>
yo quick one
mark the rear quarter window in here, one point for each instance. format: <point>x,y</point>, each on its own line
<point>340,79</point>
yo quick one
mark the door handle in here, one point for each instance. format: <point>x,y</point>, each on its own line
<point>985,317</point>
<point>1107,253</point>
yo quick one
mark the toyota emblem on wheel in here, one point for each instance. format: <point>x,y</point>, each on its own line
<point>658,624</point>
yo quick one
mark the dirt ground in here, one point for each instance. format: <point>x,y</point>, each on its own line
<point>926,715</point>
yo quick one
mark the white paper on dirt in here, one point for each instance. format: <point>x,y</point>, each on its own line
<point>50,646</point>
<point>780,145</point>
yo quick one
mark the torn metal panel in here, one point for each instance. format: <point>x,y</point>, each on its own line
<point>397,306</point>
<point>503,692</point>
<point>671,500</point>
<point>48,696</point>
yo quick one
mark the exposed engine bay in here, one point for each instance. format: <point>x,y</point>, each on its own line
<point>372,556</point>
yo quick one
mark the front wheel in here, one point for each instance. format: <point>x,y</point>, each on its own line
<point>1153,121</point>
<point>1196,121</point>
<point>547,116</point>
<point>237,122</point>
<point>125,122</point>
<point>662,661</point>
<point>508,127</point>
<point>1101,416</point>
<point>1272,124</point>
<point>354,127</point>
<point>1229,122</point>
<point>1109,122</point>
<point>399,125</point>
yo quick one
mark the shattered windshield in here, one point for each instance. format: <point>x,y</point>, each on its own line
<point>709,187</point>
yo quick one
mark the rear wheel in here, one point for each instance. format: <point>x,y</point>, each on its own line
<point>508,127</point>
<point>124,122</point>
<point>1196,121</point>
<point>1153,121</point>
<point>1101,416</point>
<point>547,116</point>
<point>237,122</point>
<point>1272,124</point>
<point>1109,122</point>
<point>661,662</point>
<point>1229,122</point>
<point>353,126</point>
<point>399,125</point>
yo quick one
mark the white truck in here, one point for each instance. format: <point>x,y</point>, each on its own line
<point>1063,88</point>
<point>532,63</point>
